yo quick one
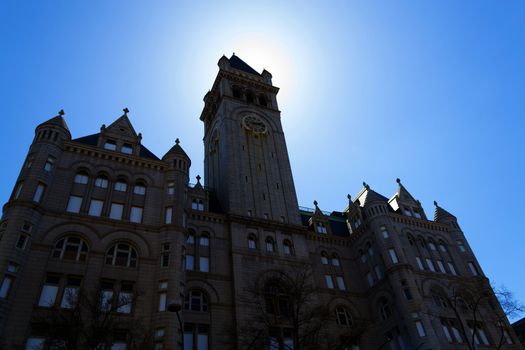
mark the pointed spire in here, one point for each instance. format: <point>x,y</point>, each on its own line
<point>57,120</point>
<point>198,184</point>
<point>61,112</point>
<point>441,215</point>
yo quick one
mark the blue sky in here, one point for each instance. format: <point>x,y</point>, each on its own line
<point>431,92</point>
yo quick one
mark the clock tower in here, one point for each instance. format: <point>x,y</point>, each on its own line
<point>246,162</point>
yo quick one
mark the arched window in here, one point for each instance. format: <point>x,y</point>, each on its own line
<point>432,245</point>
<point>343,317</point>
<point>81,177</point>
<point>70,248</point>
<point>442,247</point>
<point>362,255</point>
<point>196,301</point>
<point>190,239</point>
<point>122,254</point>
<point>384,309</point>
<point>410,239</point>
<point>101,181</point>
<point>204,240</point>
<point>237,92</point>
<point>335,260</point>
<point>121,185</point>
<point>324,258</point>
<point>250,97</point>
<point>140,188</point>
<point>287,247</point>
<point>270,245</point>
<point>276,300</point>
<point>252,241</point>
<point>369,249</point>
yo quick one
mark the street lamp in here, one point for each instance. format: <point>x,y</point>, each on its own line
<point>175,305</point>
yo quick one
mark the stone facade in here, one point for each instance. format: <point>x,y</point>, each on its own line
<point>102,212</point>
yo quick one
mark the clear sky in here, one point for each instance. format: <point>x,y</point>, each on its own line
<point>431,92</point>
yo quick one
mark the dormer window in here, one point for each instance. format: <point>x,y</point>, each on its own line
<point>320,228</point>
<point>126,148</point>
<point>110,145</point>
<point>417,214</point>
<point>407,212</point>
<point>357,222</point>
<point>197,204</point>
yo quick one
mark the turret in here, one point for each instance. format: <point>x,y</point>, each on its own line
<point>54,130</point>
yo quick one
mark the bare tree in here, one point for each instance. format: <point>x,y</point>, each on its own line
<point>287,314</point>
<point>94,322</point>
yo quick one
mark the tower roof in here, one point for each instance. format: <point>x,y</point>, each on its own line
<point>237,63</point>
<point>57,120</point>
<point>441,214</point>
<point>176,149</point>
<point>368,195</point>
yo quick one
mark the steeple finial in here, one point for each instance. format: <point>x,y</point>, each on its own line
<point>61,112</point>
<point>198,177</point>
<point>349,197</point>
<point>398,180</point>
<point>315,203</point>
<point>435,203</point>
<point>126,111</point>
<point>177,141</point>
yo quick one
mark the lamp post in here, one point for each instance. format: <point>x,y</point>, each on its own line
<point>175,305</point>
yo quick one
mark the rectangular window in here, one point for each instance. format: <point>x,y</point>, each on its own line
<point>106,295</point>
<point>340,283</point>
<point>393,256</point>
<point>74,203</point>
<point>378,272</point>
<point>125,298</point>
<point>136,215</point>
<point>95,207</point>
<point>165,260</point>
<point>34,343</point>
<point>110,145</point>
<point>116,211</point>
<point>188,337</point>
<point>168,215</point>
<point>420,329</point>
<point>6,286</point>
<point>432,246</point>
<point>321,228</point>
<point>189,262</point>
<point>39,193</point>
<point>430,265</point>
<point>162,301</point>
<point>370,279</point>
<point>384,232</point>
<point>70,296</point>
<point>204,264</point>
<point>419,263</point>
<point>49,163</point>
<point>441,267</point>
<point>508,338</point>
<point>473,268</point>
<point>21,242</point>
<point>171,188</point>
<point>417,214</point>
<point>452,268</point>
<point>329,281</point>
<point>49,292</point>
<point>126,148</point>
<point>407,212</point>
<point>202,338</point>
<point>18,189</point>
<point>461,246</point>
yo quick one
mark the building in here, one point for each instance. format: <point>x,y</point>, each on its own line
<point>101,224</point>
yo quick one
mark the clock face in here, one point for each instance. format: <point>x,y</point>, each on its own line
<point>254,124</point>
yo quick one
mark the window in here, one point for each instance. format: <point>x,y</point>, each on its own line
<point>324,258</point>
<point>343,317</point>
<point>430,265</point>
<point>384,310</point>
<point>252,243</point>
<point>321,228</point>
<point>432,246</point>
<point>480,337</point>
<point>384,232</point>
<point>163,294</point>
<point>362,256</point>
<point>452,268</point>
<point>136,215</point>
<point>197,204</point>
<point>27,227</point>
<point>190,239</point>
<point>70,295</point>
<point>101,182</point>
<point>419,263</point>
<point>370,279</point>
<point>461,246</point>
<point>165,255</point>
<point>196,336</point>
<point>369,249</point>
<point>116,211</point>
<point>204,240</point>
<point>335,260</point>
<point>139,189</point>
<point>126,148</point>
<point>48,166</point>
<point>18,190</point>
<point>249,213</point>
<point>236,91</point>
<point>406,290</point>
<point>125,298</point>
<point>74,204</point>
<point>378,272</point>
<point>407,212</point>
<point>417,214</point>
<point>106,295</point>
<point>451,331</point>
<point>420,329</point>
<point>70,248</point>
<point>22,240</point>
<point>276,299</point>
<point>270,245</point>
<point>110,145</point>
<point>340,283</point>
<point>29,162</point>
<point>196,301</point>
<point>508,338</point>
<point>81,178</point>
<point>120,186</point>
<point>49,291</point>
<point>95,207</point>
<point>5,287</point>
<point>171,188</point>
<point>35,343</point>
<point>473,268</point>
<point>40,189</point>
<point>122,254</point>
<point>168,215</point>
<point>204,264</point>
<point>442,247</point>
<point>190,262</point>
<point>329,281</point>
<point>441,267</point>
<point>393,256</point>
<point>287,247</point>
